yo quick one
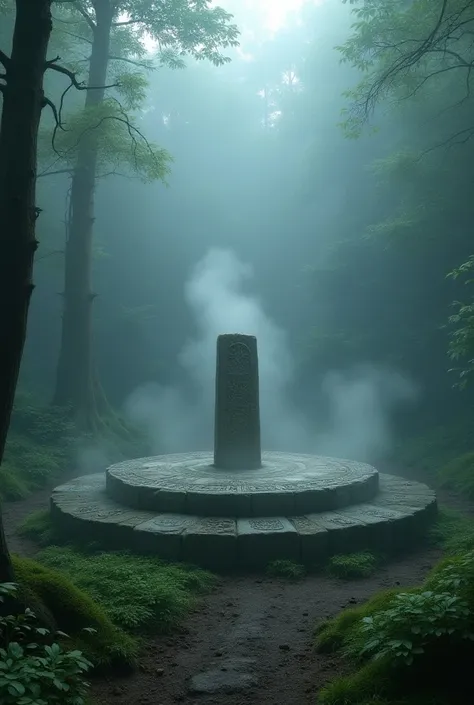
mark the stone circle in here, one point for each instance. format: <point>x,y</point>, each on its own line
<point>286,484</point>
<point>393,519</point>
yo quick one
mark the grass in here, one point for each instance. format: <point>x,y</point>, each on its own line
<point>39,528</point>
<point>353,566</point>
<point>453,532</point>
<point>137,593</point>
<point>282,568</point>
<point>58,601</point>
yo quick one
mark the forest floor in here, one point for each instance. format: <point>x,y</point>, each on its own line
<point>250,641</point>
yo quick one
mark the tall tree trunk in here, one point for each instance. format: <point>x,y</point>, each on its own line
<point>74,378</point>
<point>22,103</point>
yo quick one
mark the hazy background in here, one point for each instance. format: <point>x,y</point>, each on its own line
<point>262,230</point>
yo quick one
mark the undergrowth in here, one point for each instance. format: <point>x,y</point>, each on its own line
<point>410,645</point>
<point>136,592</point>
<point>352,566</point>
<point>282,568</point>
<point>62,604</point>
<point>38,447</point>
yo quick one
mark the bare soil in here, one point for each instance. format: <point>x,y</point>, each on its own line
<point>248,642</point>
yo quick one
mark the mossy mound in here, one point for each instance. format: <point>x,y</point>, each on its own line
<point>60,603</point>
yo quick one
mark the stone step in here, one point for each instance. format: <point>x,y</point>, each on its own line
<point>392,521</point>
<point>286,484</point>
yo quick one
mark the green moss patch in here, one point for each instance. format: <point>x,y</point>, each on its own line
<point>282,568</point>
<point>135,592</point>
<point>52,595</point>
<point>453,532</point>
<point>353,566</point>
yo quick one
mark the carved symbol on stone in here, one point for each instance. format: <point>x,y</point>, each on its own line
<point>238,359</point>
<point>266,524</point>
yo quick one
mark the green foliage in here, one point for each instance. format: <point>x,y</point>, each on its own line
<point>353,565</point>
<point>162,593</point>
<point>122,148</point>
<point>282,568</point>
<point>34,668</point>
<point>402,632</point>
<point>404,640</point>
<point>461,327</point>
<point>55,599</point>
<point>38,447</point>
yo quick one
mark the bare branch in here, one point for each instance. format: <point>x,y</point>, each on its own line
<point>140,64</point>
<point>85,14</point>
<point>77,36</point>
<point>405,62</point>
<point>126,23</point>
<point>4,59</point>
<point>47,101</point>
<point>52,64</point>
<point>53,173</point>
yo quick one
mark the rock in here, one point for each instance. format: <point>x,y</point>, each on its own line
<point>284,647</point>
<point>232,677</point>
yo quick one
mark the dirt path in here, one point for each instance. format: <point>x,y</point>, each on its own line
<point>250,641</point>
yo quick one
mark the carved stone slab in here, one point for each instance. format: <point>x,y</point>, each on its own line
<point>287,483</point>
<point>394,519</point>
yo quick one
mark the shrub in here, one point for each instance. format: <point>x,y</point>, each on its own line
<point>162,593</point>
<point>61,603</point>
<point>419,639</point>
<point>34,668</point>
<point>353,565</point>
<point>402,632</point>
<point>286,569</point>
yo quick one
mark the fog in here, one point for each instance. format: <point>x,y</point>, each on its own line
<point>267,225</point>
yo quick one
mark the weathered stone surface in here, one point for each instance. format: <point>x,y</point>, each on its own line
<point>286,484</point>
<point>237,413</point>
<point>231,676</point>
<point>394,519</point>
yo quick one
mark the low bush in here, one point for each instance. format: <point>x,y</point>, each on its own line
<point>352,566</point>
<point>135,592</point>
<point>282,568</point>
<point>404,641</point>
<point>35,668</point>
<point>61,604</point>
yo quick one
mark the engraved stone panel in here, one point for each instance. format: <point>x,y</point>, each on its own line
<point>237,412</point>
<point>287,483</point>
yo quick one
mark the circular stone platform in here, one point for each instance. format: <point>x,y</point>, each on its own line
<point>286,484</point>
<point>393,519</point>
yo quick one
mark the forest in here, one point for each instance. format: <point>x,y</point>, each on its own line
<point>295,170</point>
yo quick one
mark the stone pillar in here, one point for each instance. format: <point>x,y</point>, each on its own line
<point>237,414</point>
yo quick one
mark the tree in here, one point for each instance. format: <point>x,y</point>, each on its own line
<point>21,86</point>
<point>115,30</point>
